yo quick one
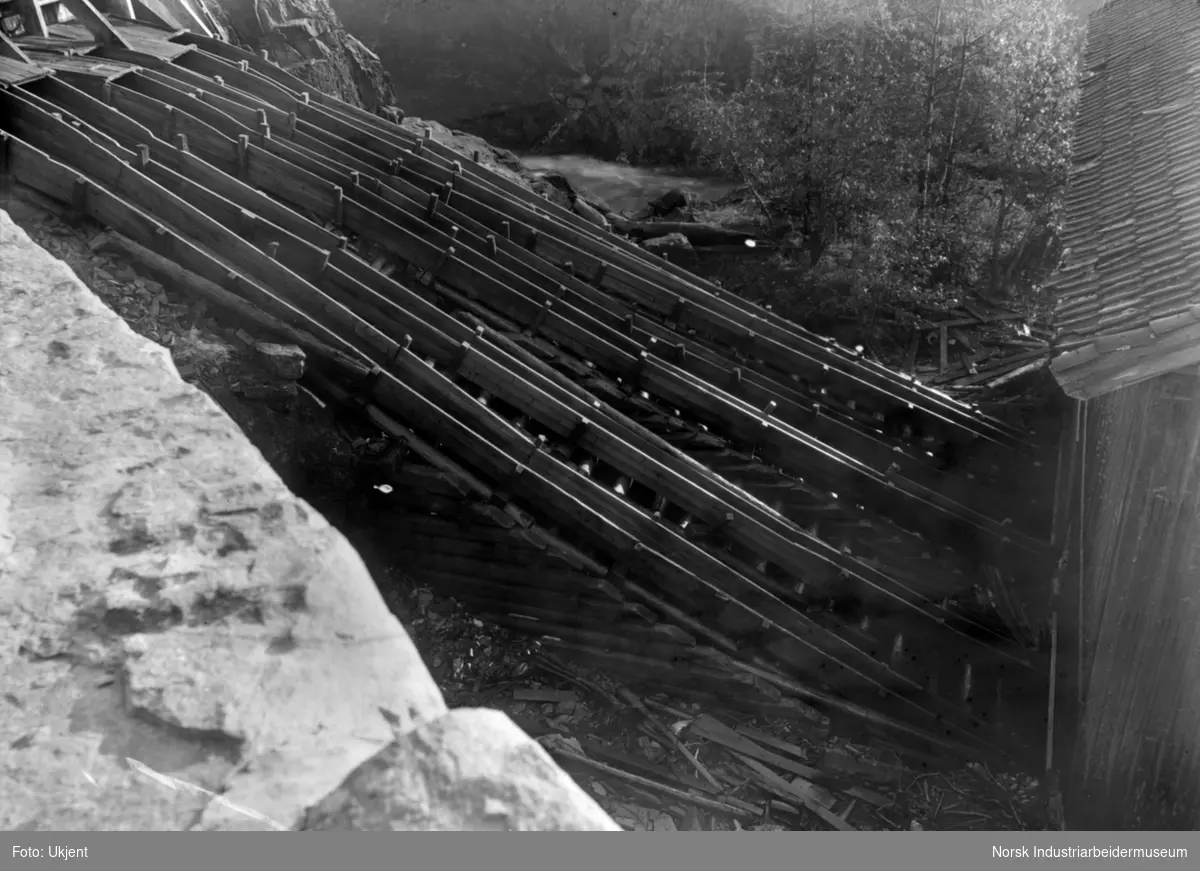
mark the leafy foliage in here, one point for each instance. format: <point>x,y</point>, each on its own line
<point>921,145</point>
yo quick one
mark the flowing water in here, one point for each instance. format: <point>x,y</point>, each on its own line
<point>626,188</point>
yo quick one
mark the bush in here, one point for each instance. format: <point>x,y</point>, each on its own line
<point>922,145</point>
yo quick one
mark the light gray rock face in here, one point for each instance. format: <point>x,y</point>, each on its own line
<point>184,644</point>
<point>472,770</point>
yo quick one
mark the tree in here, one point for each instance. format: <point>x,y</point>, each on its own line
<point>923,143</point>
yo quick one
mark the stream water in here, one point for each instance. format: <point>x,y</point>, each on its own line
<point>626,188</point>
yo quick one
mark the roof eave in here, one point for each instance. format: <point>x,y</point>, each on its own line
<point>1091,372</point>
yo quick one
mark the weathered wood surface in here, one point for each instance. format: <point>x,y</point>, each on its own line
<point>1129,610</point>
<point>33,19</point>
<point>730,319</point>
<point>13,73</point>
<point>330,122</point>
<point>475,272</point>
<point>97,25</point>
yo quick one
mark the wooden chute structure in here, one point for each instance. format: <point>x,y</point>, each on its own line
<point>593,445</point>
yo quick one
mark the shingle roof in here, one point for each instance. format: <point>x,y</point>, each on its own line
<point>1127,296</point>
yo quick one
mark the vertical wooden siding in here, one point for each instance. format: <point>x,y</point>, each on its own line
<point>1132,635</point>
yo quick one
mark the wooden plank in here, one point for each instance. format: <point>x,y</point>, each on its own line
<point>100,115</point>
<point>425,479</point>
<point>59,139</point>
<point>254,63</point>
<point>630,638</point>
<point>10,50</point>
<point>410,527</point>
<point>863,486</point>
<point>59,181</point>
<point>629,448</point>
<point>271,217</point>
<point>195,170</point>
<point>561,246</point>
<point>711,729</point>
<point>606,248</point>
<point>191,221</point>
<point>398,311</point>
<point>98,26</point>
<point>95,134</point>
<point>610,523</point>
<point>893,384</point>
<point>363,138</point>
<point>33,20</point>
<point>786,790</point>
<point>81,70</point>
<point>234,114</point>
<point>468,270</point>
<point>205,63</point>
<point>384,344</point>
<point>271,74</point>
<point>155,12</point>
<point>564,587</point>
<point>14,72</point>
<point>170,16</point>
<point>193,102</point>
<point>167,122</point>
<point>392,237</point>
<point>759,389</point>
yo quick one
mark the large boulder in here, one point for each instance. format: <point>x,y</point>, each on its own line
<point>184,644</point>
<point>306,38</point>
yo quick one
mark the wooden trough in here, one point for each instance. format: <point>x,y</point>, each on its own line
<point>596,447</point>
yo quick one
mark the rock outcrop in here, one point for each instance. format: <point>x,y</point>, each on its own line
<point>184,644</point>
<point>576,75</point>
<point>306,38</point>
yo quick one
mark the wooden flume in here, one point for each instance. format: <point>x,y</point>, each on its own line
<point>657,453</point>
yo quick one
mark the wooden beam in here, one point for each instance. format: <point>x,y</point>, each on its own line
<point>413,239</point>
<point>11,50</point>
<point>123,8</point>
<point>430,397</point>
<point>59,181</point>
<point>191,168</point>
<point>154,12</point>
<point>97,25</point>
<point>188,15</point>
<point>32,18</point>
<point>80,121</point>
<point>784,340</point>
<point>352,140</point>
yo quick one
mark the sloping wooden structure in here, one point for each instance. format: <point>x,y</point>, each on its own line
<point>593,445</point>
<point>1128,342</point>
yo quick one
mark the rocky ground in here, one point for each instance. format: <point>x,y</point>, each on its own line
<point>653,763</point>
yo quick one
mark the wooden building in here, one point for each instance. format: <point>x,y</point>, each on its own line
<point>1127,348</point>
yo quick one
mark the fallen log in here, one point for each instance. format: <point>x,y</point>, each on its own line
<point>697,234</point>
